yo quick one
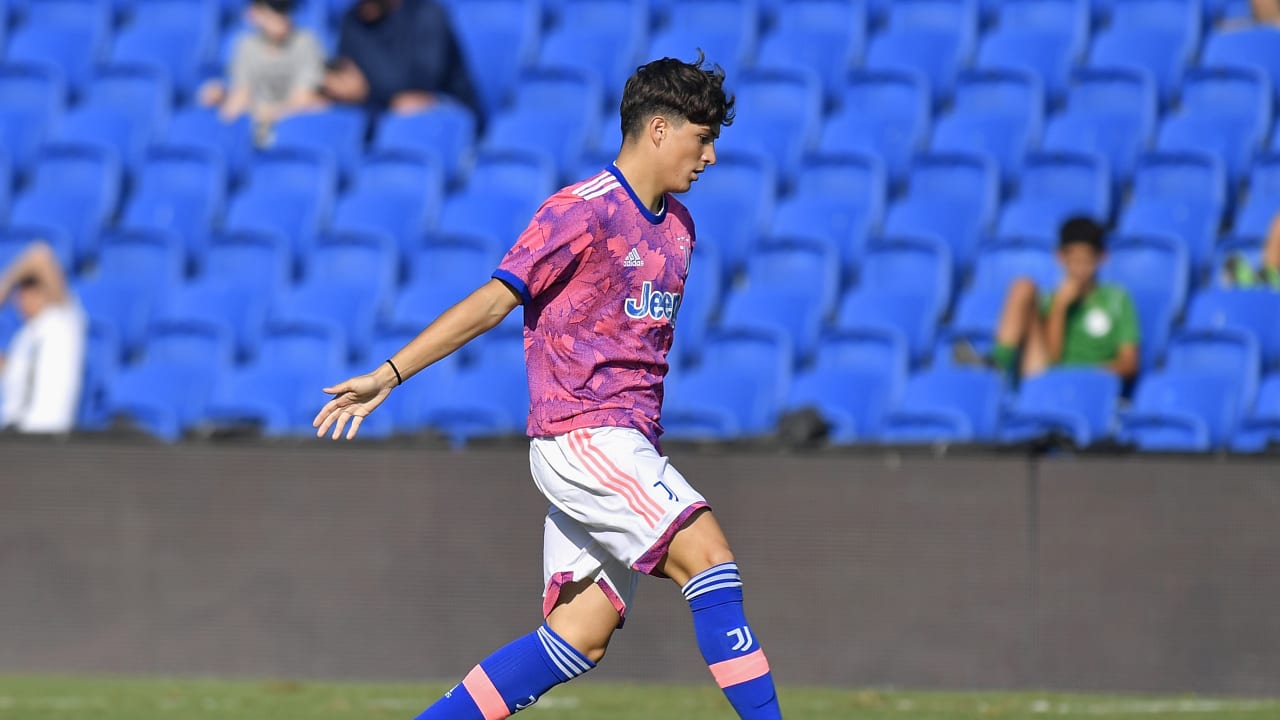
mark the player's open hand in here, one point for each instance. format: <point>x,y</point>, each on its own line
<point>352,400</point>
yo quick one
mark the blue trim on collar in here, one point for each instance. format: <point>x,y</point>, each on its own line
<point>645,211</point>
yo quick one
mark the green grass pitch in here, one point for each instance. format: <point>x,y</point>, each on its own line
<point>59,698</point>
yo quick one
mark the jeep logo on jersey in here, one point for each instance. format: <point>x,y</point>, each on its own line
<point>653,304</point>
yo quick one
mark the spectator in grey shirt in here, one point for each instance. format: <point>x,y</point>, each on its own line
<point>274,72</point>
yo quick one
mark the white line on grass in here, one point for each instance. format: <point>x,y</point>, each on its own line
<point>1149,707</point>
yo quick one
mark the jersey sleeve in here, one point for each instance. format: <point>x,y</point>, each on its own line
<point>550,248</point>
<point>1128,331</point>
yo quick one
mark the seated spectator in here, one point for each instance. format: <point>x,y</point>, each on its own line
<point>1082,322</point>
<point>1238,272</point>
<point>41,374</point>
<point>1260,12</point>
<point>400,55</point>
<point>274,72</point>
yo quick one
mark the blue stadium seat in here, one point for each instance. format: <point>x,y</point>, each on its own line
<point>886,114</point>
<point>839,198</point>
<point>952,196</point>
<point>698,305</point>
<point>733,203</point>
<point>1180,411</point>
<point>1225,112</point>
<point>265,397</point>
<point>933,37</point>
<point>119,304</point>
<point>125,108</point>
<point>1257,46</point>
<point>14,239</point>
<point>74,189</point>
<point>504,191</point>
<point>1156,312</point>
<point>499,39</point>
<point>152,258</point>
<point>605,37</point>
<point>288,190</point>
<point>368,263</point>
<point>909,312</point>
<point>1130,259</point>
<point>446,130</point>
<point>1158,36</point>
<point>488,398</point>
<point>404,405</point>
<point>566,99</point>
<point>1002,261</point>
<point>1044,37</point>
<point>736,390</point>
<point>31,107</point>
<point>258,262</point>
<point>1077,403</point>
<point>174,36</point>
<point>1182,194</point>
<point>999,113</point>
<point>1261,428</point>
<point>166,393</point>
<point>347,310</point>
<point>6,184</point>
<point>201,127</point>
<point>1227,351</point>
<point>790,288</point>
<point>102,363</point>
<point>921,262</point>
<point>303,344</point>
<point>1054,187</point>
<point>337,131</point>
<point>441,258</point>
<point>68,37</point>
<point>1111,112</point>
<point>182,189</point>
<point>858,375</point>
<point>974,321</point>
<point>726,30</point>
<point>234,308</point>
<point>945,404</point>
<point>1259,206</point>
<point>782,118</point>
<point>403,219</point>
<point>1254,312</point>
<point>825,36</point>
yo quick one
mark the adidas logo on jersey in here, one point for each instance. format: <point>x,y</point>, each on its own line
<point>633,259</point>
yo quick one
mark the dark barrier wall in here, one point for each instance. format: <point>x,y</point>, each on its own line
<point>873,569</point>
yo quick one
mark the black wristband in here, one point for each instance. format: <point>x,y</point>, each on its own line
<point>399,380</point>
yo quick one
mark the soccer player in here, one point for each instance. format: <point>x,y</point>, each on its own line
<point>1082,322</point>
<point>600,271</point>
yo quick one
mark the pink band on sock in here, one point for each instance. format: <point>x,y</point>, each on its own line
<point>485,695</point>
<point>740,670</point>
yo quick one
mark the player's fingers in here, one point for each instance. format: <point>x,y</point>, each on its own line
<point>324,413</point>
<point>329,417</point>
<point>355,426</point>
<point>342,422</point>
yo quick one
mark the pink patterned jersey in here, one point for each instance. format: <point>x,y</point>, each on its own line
<point>601,277</point>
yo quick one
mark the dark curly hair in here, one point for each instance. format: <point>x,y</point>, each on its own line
<point>678,89</point>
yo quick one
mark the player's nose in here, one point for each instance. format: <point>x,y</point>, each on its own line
<point>709,154</point>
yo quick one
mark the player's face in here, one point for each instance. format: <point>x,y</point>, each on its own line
<point>690,149</point>
<point>1080,261</point>
<point>29,301</point>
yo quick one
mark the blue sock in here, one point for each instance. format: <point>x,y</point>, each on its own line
<point>729,646</point>
<point>511,679</point>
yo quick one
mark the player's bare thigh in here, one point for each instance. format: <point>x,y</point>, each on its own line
<point>585,618</point>
<point>698,545</point>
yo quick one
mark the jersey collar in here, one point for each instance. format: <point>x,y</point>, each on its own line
<point>648,214</point>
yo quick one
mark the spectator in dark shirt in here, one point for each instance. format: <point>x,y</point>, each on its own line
<point>400,55</point>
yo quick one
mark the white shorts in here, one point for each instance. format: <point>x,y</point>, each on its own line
<point>615,505</point>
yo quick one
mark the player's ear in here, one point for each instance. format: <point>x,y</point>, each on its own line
<point>658,129</point>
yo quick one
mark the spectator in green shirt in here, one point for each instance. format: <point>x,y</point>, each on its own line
<point>1081,322</point>
<point>1239,273</point>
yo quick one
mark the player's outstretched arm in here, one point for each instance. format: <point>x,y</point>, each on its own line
<point>356,397</point>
